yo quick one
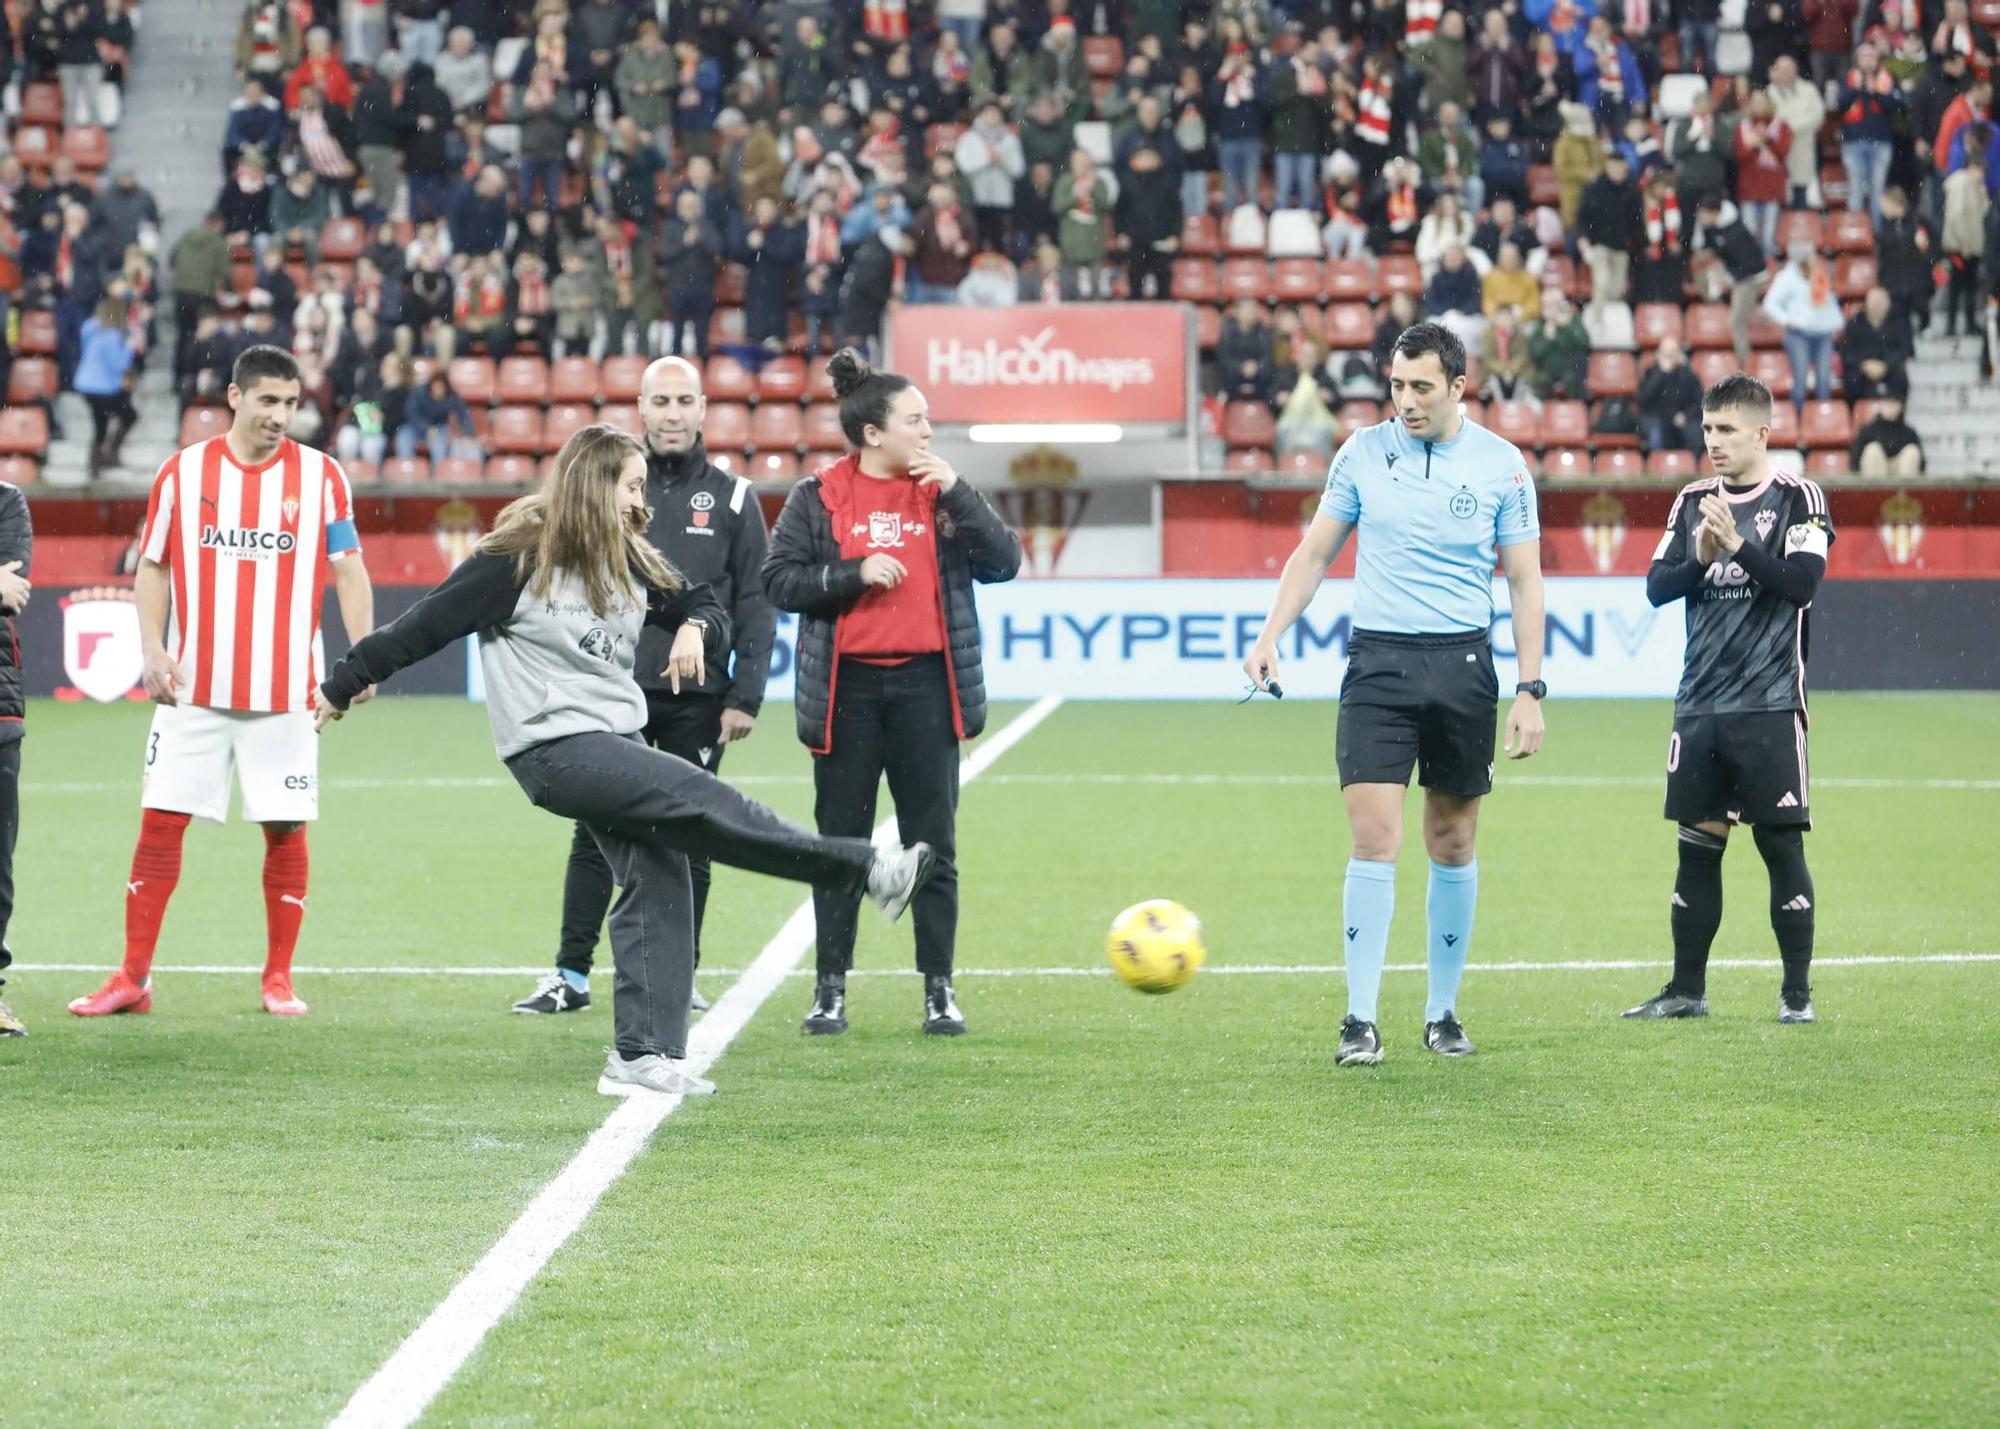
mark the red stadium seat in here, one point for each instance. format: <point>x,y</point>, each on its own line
<point>1207,327</point>
<point>1563,424</point>
<point>1196,280</point>
<point>522,381</point>
<point>1711,367</point>
<point>20,470</point>
<point>1297,280</point>
<point>1774,370</point>
<point>405,470</point>
<point>727,427</point>
<point>1398,273</point>
<point>1358,414</point>
<point>518,431</point>
<point>822,428</point>
<point>1349,280</point>
<point>1672,465</point>
<point>42,104</point>
<point>1302,463</point>
<point>1516,422</point>
<point>1248,424</point>
<point>1853,275</point>
<point>1613,374</point>
<point>1826,424</point>
<point>620,377</point>
<point>776,426</point>
<point>459,471</point>
<point>24,431</point>
<point>1654,323</point>
<point>1103,56</point>
<point>38,332</point>
<point>1348,326</point>
<point>1847,232</point>
<point>557,427</point>
<point>1602,442</point>
<point>1798,225</point>
<point>1986,14</point>
<point>732,280</point>
<point>782,379</point>
<point>819,386</point>
<point>33,379</point>
<point>341,240</point>
<point>1830,462</point>
<point>624,416</point>
<point>772,467</point>
<point>1250,461</point>
<point>1308,319</point>
<point>512,470</point>
<point>725,328</point>
<point>198,424</point>
<point>1246,278</point>
<point>728,381</point>
<point>1472,411</point>
<point>573,379</point>
<point>88,148</point>
<point>472,379</point>
<point>35,146</point>
<point>1784,427</point>
<point>1565,464</point>
<point>1544,191</point>
<point>942,139</point>
<point>1765,334</point>
<point>1619,464</point>
<point>1864,412</point>
<point>1200,237</point>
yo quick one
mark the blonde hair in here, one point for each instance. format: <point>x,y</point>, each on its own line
<point>572,524</point>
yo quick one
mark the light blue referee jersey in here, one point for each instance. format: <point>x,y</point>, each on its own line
<point>1430,517</point>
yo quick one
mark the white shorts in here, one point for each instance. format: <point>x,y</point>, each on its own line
<point>192,750</point>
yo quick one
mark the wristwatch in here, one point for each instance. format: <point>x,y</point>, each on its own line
<point>1538,688</point>
<point>697,623</point>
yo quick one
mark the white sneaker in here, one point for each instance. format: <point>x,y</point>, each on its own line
<point>894,877</point>
<point>652,1073</point>
<point>696,1002</point>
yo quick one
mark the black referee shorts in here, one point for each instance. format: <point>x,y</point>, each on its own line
<point>1739,768</point>
<point>1428,701</point>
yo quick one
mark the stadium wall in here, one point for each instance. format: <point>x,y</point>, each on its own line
<point>1185,638</point>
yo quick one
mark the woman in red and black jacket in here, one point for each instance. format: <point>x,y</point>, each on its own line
<point>878,554</point>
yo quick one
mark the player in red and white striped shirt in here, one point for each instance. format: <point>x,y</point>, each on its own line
<point>240,535</point>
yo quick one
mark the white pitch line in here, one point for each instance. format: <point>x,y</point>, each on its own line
<point>1586,965</point>
<point>1306,780</point>
<point>426,1362</point>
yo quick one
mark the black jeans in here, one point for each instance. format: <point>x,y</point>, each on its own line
<point>893,719</point>
<point>648,811</point>
<point>10,828</point>
<point>688,727</point>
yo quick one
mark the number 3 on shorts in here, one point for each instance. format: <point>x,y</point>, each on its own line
<point>152,748</point>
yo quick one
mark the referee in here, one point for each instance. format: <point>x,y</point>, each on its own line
<point>710,528</point>
<point>1433,496</point>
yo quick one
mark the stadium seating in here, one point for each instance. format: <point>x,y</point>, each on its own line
<point>573,379</point>
<point>522,380</point>
<point>24,431</point>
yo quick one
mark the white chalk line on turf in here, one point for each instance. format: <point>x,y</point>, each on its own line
<point>1578,965</point>
<point>1307,780</point>
<point>426,1362</point>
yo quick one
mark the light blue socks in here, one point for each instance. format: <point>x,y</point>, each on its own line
<point>1454,893</point>
<point>576,980</point>
<point>1367,905</point>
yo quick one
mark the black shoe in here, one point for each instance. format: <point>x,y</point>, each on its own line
<point>828,1017</point>
<point>1446,1038</point>
<point>10,1024</point>
<point>941,1015</point>
<point>1360,1044</point>
<point>551,995</point>
<point>1796,1007</point>
<point>1669,1003</point>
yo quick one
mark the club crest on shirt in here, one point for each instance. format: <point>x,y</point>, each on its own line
<point>885,528</point>
<point>1765,520</point>
<point>290,507</point>
<point>702,501</point>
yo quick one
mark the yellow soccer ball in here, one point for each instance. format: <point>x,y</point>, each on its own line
<point>1155,946</point>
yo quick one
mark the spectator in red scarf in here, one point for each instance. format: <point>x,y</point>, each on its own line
<point>942,236</point>
<point>323,71</point>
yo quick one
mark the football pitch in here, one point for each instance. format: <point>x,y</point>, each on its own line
<point>1098,1207</point>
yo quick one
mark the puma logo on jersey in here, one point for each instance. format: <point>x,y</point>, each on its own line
<point>134,887</point>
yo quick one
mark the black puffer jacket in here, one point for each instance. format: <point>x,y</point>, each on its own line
<point>804,572</point>
<point>17,543</point>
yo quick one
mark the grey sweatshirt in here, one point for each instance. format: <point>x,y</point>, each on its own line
<point>553,666</point>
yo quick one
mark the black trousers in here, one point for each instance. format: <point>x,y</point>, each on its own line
<point>648,811</point>
<point>894,720</point>
<point>688,727</point>
<point>10,828</point>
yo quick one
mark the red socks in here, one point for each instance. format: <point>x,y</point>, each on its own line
<point>156,868</point>
<point>284,897</point>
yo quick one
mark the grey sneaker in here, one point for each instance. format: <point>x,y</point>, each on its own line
<point>894,878</point>
<point>651,1073</point>
<point>1796,1007</point>
<point>1446,1038</point>
<point>552,994</point>
<point>696,1002</point>
<point>1360,1044</point>
<point>1668,1003</point>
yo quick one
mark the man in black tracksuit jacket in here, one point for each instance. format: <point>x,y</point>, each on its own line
<point>17,548</point>
<point>709,526</point>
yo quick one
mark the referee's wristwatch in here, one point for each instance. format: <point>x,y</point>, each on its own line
<point>1538,688</point>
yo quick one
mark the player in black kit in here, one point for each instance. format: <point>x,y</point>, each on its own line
<point>1746,549</point>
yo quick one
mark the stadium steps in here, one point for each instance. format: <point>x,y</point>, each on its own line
<point>176,104</point>
<point>1952,410</point>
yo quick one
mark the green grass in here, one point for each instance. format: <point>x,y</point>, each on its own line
<point>1098,1207</point>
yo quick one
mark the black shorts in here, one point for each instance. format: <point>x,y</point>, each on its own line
<point>1739,768</point>
<point>1424,700</point>
<point>688,726</point>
